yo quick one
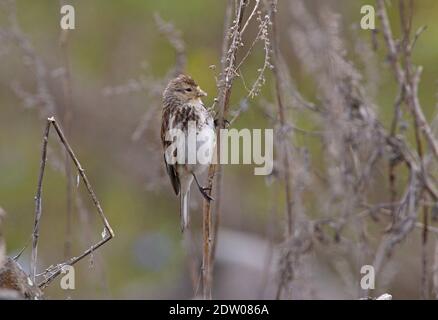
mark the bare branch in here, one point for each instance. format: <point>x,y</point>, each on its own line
<point>52,272</point>
<point>38,208</point>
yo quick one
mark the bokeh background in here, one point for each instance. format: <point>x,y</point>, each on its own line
<point>118,60</point>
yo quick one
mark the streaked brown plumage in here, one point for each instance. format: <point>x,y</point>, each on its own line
<point>181,104</point>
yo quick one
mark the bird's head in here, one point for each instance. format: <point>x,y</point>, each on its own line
<point>182,89</point>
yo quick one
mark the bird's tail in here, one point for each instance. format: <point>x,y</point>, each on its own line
<point>184,210</point>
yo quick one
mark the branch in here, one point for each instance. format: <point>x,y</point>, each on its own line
<point>409,84</point>
<point>36,228</point>
<point>225,86</point>
<point>277,59</point>
<point>52,272</point>
<point>279,92</point>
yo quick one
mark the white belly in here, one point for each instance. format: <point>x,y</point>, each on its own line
<point>205,144</point>
<point>205,148</point>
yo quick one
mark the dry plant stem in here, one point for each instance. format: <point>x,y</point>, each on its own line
<point>224,97</point>
<point>435,270</point>
<point>83,176</point>
<point>73,261</point>
<point>44,102</point>
<point>406,15</point>
<point>408,80</point>
<point>424,257</point>
<point>36,228</point>
<point>254,10</point>
<point>282,118</point>
<point>109,233</point>
<point>425,261</point>
<point>219,173</point>
<point>69,208</point>
<point>206,240</point>
<point>392,164</point>
<point>406,83</point>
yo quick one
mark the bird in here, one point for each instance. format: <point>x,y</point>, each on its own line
<point>181,104</point>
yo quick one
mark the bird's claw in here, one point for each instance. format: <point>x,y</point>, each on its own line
<point>226,123</point>
<point>204,193</point>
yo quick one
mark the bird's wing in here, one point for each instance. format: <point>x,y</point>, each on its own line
<point>171,171</point>
<point>170,168</point>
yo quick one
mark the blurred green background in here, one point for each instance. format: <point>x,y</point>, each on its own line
<point>116,42</point>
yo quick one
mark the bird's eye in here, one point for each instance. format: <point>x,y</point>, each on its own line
<point>188,89</point>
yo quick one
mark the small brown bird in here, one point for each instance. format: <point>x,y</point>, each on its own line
<point>181,105</point>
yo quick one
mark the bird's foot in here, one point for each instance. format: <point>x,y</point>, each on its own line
<point>204,193</point>
<point>226,123</point>
<point>203,190</point>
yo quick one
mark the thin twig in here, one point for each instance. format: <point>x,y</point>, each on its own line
<point>224,98</point>
<point>38,207</point>
<point>81,172</point>
<point>219,173</point>
<point>407,82</point>
<point>108,233</point>
<point>406,15</point>
<point>282,118</point>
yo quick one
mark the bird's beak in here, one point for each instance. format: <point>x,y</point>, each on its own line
<point>201,93</point>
